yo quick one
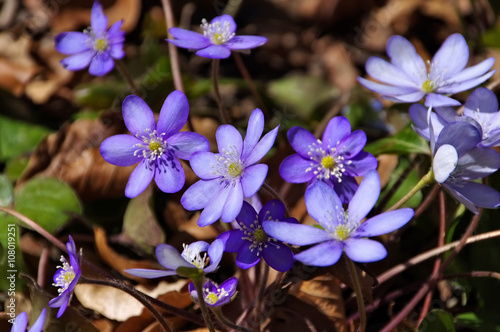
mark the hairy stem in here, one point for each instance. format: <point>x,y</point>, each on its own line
<point>359,295</point>
<point>198,284</point>
<point>218,313</point>
<point>427,179</point>
<point>128,78</point>
<point>215,82</point>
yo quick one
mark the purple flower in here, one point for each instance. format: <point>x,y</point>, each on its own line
<point>481,110</point>
<point>215,295</point>
<point>191,257</point>
<point>156,147</point>
<point>336,159</point>
<point>407,80</point>
<point>21,322</point>
<point>457,161</point>
<point>251,241</point>
<point>67,277</point>
<point>341,229</point>
<point>230,175</point>
<point>94,46</point>
<point>218,38</point>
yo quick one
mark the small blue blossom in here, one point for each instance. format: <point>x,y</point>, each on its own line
<point>336,159</point>
<point>21,322</point>
<point>218,38</point>
<point>407,80</point>
<point>215,295</point>
<point>95,46</point>
<point>191,257</point>
<point>342,230</point>
<point>67,277</point>
<point>230,175</point>
<point>157,147</point>
<point>252,243</point>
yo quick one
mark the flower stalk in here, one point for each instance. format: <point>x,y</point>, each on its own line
<point>215,82</point>
<point>198,284</point>
<point>425,180</point>
<point>359,294</point>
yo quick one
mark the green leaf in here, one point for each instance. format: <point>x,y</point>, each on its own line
<point>405,142</point>
<point>140,224</point>
<point>6,191</point>
<point>491,38</point>
<point>408,183</point>
<point>18,137</point>
<point>437,321</point>
<point>11,263</point>
<point>99,95</point>
<point>47,201</point>
<point>15,167</point>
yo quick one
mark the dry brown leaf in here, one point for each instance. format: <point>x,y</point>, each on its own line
<point>387,163</point>
<point>340,69</point>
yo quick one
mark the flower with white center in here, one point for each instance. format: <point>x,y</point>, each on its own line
<point>215,295</point>
<point>407,80</point>
<point>342,230</point>
<point>66,278</point>
<point>218,38</point>
<point>230,175</point>
<point>156,147</point>
<point>95,46</point>
<point>21,322</point>
<point>336,159</point>
<point>199,256</point>
<point>252,243</point>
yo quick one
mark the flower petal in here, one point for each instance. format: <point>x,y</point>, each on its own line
<point>38,326</point>
<point>352,144</point>
<point>263,147</point>
<point>385,72</point>
<point>139,179</point>
<point>301,141</point>
<point>323,205</point>
<point>137,116</point>
<point>188,39</point>
<point>450,59</point>
<point>224,20</point>
<point>247,216</point>
<point>278,256</point>
<point>79,60</point>
<point>252,179</point>
<point>387,89</point>
<point>465,85</point>
<point>115,34</point>
<point>296,234</point>
<point>199,194</point>
<point>186,143</point>
<point>345,189</point>
<point>98,20</point>
<point>170,258</point>
<point>71,42</point>
<point>116,51</point>
<point>247,258</point>
<point>215,252</point>
<point>481,99</point>
<point>445,162</point>
<point>384,223</point>
<point>479,163</point>
<point>323,254</point>
<point>274,210</point>
<point>203,164</point>
<point>214,52</point>
<point>365,197</point>
<point>173,114</point>
<point>233,239</point>
<point>119,150</point>
<point>229,139</point>
<point>101,64</point>
<point>437,100</point>
<point>473,195</point>
<point>472,72</point>
<point>404,56</point>
<point>169,175</point>
<point>214,208</point>
<point>364,250</point>
<point>336,129</point>
<point>150,274</point>
<point>463,136</point>
<point>245,42</point>
<point>20,323</point>
<point>360,164</point>
<point>406,98</point>
<point>234,201</point>
<point>254,132</point>
<point>294,169</point>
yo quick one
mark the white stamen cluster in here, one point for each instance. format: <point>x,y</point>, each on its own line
<point>99,44</point>
<point>213,297</point>
<point>192,254</point>
<point>343,227</point>
<point>431,85</point>
<point>257,236</point>
<point>229,165</point>
<point>65,278</point>
<point>484,120</point>
<point>326,163</point>
<point>153,146</point>
<point>217,33</point>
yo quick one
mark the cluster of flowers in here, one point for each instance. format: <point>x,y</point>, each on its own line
<point>461,149</point>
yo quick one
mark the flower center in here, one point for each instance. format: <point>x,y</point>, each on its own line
<point>100,44</point>
<point>65,276</point>
<point>342,232</point>
<point>257,237</point>
<point>153,146</point>
<point>229,165</point>
<point>212,297</point>
<point>192,254</point>
<point>428,86</point>
<point>341,226</point>
<point>218,32</point>
<point>326,162</point>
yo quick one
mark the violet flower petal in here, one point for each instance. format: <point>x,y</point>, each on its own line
<point>404,56</point>
<point>71,42</point>
<point>137,115</point>
<point>336,129</point>
<point>300,139</point>
<point>452,55</point>
<point>296,234</point>
<point>233,202</point>
<point>386,72</point>
<point>186,143</point>
<point>253,178</point>
<point>364,199</point>
<point>245,42</point>
<point>364,250</point>
<point>173,114</point>
<point>139,179</point>
<point>323,254</point>
<point>199,194</point>
<point>170,176</point>
<point>254,132</point>
<point>150,274</point>
<point>319,198</point>
<point>280,259</point>
<point>214,207</point>
<point>214,52</point>
<point>263,147</point>
<point>119,150</point>
<point>79,60</point>
<point>293,169</point>
<point>384,223</point>
<point>98,20</point>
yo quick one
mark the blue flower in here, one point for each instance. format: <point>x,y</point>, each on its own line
<point>66,278</point>
<point>458,161</point>
<point>336,159</point>
<point>21,322</point>
<point>215,295</point>
<point>342,230</point>
<point>230,175</point>
<point>218,38</point>
<point>94,46</point>
<point>251,241</point>
<point>191,257</point>
<point>407,80</point>
<point>156,147</point>
<point>481,110</point>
